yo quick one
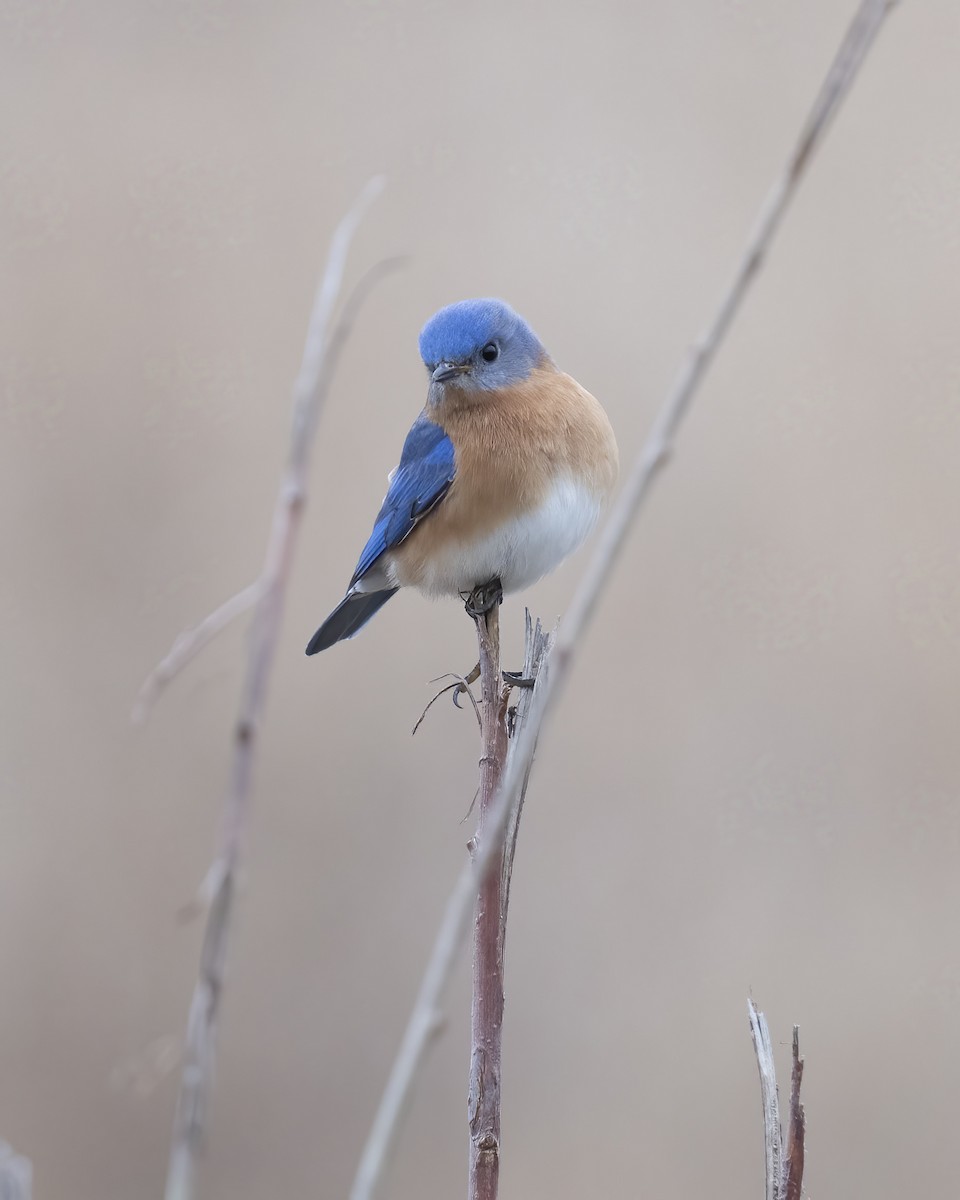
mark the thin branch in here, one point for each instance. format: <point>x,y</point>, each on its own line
<point>772,1146</point>
<point>537,646</point>
<point>189,644</point>
<point>486,1011</point>
<point>493,901</point>
<point>653,455</point>
<point>784,1164</point>
<point>309,394</point>
<point>659,444</point>
<point>796,1128</point>
<point>425,1019</point>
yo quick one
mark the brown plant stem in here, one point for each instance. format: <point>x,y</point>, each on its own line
<point>426,1020</point>
<point>793,1153</point>
<point>486,1014</point>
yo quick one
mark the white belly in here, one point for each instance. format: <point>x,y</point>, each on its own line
<point>520,551</point>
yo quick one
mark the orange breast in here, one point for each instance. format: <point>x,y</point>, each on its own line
<point>511,446</point>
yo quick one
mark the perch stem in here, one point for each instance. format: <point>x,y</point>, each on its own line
<point>486,1016</point>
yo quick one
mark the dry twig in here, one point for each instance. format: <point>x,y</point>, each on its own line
<point>793,1153</point>
<point>426,1019</point>
<point>486,1013</point>
<point>772,1146</point>
<point>784,1165</point>
<point>493,900</point>
<point>537,646</point>
<point>189,644</point>
<point>653,455</point>
<point>268,595</point>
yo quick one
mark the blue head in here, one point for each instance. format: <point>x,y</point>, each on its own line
<point>478,344</point>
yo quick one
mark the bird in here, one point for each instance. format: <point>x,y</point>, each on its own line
<point>503,474</point>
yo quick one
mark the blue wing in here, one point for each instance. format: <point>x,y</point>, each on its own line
<point>421,480</point>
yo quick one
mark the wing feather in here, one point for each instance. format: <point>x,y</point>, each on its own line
<point>417,484</point>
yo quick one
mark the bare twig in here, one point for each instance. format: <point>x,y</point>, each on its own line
<point>537,645</point>
<point>796,1128</point>
<point>189,644</point>
<point>486,1013</point>
<point>784,1165</point>
<point>653,455</point>
<point>772,1147</point>
<point>309,394</point>
<point>493,901</point>
<point>659,444</point>
<point>425,1019</point>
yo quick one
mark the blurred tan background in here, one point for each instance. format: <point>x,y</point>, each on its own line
<point>752,785</point>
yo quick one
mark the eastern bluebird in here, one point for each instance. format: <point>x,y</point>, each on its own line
<point>501,477</point>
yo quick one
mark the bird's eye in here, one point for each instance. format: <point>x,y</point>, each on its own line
<point>490,352</point>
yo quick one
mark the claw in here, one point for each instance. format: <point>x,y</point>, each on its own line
<point>463,686</point>
<point>459,686</point>
<point>483,598</point>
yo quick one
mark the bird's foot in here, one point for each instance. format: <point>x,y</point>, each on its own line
<point>459,687</point>
<point>513,679</point>
<point>483,598</point>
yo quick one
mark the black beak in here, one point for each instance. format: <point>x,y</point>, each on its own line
<point>447,370</point>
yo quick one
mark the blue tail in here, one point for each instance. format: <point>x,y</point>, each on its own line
<point>348,618</point>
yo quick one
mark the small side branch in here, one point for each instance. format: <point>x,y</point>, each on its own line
<point>537,646</point>
<point>784,1165</point>
<point>190,643</point>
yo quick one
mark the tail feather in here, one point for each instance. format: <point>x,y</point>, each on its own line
<point>348,618</point>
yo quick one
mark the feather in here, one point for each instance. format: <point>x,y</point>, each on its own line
<point>420,480</point>
<point>348,618</point>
